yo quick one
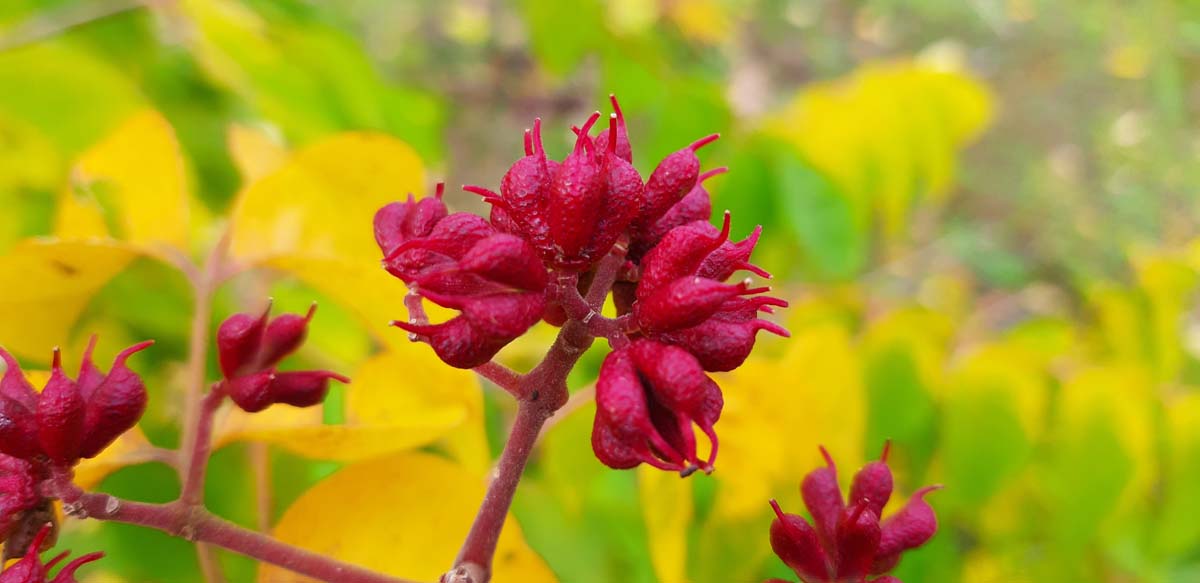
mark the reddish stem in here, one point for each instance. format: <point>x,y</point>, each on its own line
<point>199,525</point>
<point>192,493</point>
<point>504,377</point>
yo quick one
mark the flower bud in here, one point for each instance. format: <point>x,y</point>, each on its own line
<point>680,254</point>
<point>674,177</point>
<point>911,527</point>
<point>722,342</point>
<point>399,222</point>
<point>872,484</point>
<point>508,260</point>
<point>684,303</point>
<point>576,198</point>
<point>796,543</point>
<point>456,341</point>
<point>857,541</point>
<point>622,198</point>
<point>285,333</point>
<point>696,205</point>
<point>252,393</point>
<point>60,415</point>
<point>731,257</point>
<point>239,339</point>
<point>304,388</point>
<point>115,405</point>
<point>823,497</point>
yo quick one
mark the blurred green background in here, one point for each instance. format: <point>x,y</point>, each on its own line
<point>984,213</point>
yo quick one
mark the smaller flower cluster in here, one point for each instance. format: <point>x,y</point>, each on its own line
<point>30,568</point>
<point>250,347</point>
<point>460,261</point>
<point>850,542</point>
<point>71,418</point>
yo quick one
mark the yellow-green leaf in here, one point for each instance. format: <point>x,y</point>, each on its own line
<point>45,285</point>
<point>666,501</point>
<point>404,515</point>
<point>130,186</point>
<point>321,201</point>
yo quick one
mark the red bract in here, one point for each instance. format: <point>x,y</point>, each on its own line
<point>69,419</point>
<point>647,398</point>
<point>849,542</point>
<point>30,568</point>
<point>249,348</point>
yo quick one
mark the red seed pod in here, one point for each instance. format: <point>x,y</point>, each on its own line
<point>674,177</point>
<point>239,339</point>
<point>611,450</point>
<point>724,341</point>
<point>911,527</point>
<point>453,236</point>
<point>285,333</point>
<point>90,376</point>
<point>60,416</point>
<point>683,303</point>
<point>304,388</point>
<point>18,493</point>
<point>252,393</point>
<point>503,222</point>
<point>457,342</point>
<point>14,385</point>
<point>680,254</point>
<point>620,145</point>
<point>451,279</point>
<point>399,222</point>
<point>525,190</point>
<point>576,199</point>
<point>623,185</point>
<point>872,485</point>
<point>115,406</point>
<point>731,257</point>
<point>621,399</point>
<point>18,430</point>
<point>823,497</point>
<point>679,386</point>
<point>506,259</point>
<point>796,543</point>
<point>696,205</point>
<point>31,570</point>
<point>857,540</point>
<point>500,316</point>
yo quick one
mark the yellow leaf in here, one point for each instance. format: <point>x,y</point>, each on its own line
<point>254,151</point>
<point>130,449</point>
<point>136,174</point>
<point>408,382</point>
<point>321,201</point>
<point>46,284</point>
<point>404,515</point>
<point>666,502</point>
<point>394,403</point>
<point>705,21</point>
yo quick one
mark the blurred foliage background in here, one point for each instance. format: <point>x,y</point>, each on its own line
<point>984,214</point>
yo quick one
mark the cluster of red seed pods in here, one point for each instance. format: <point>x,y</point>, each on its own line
<point>551,224</point>
<point>249,347</point>
<point>70,418</point>
<point>847,540</point>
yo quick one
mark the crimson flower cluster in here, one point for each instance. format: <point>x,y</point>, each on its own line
<point>50,431</point>
<point>31,569</point>
<point>552,224</point>
<point>849,542</point>
<point>249,347</point>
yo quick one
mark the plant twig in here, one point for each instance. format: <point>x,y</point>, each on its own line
<point>197,524</point>
<point>504,377</point>
<point>192,493</point>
